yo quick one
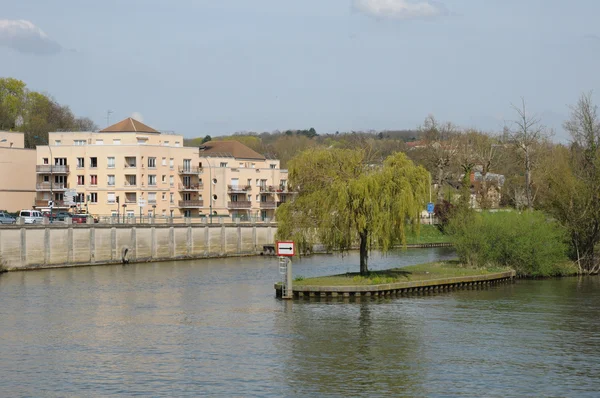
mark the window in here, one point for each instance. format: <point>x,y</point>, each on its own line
<point>131,180</point>
<point>60,161</point>
<point>116,141</point>
<point>257,182</point>
<point>111,162</point>
<point>187,196</point>
<point>99,142</point>
<point>130,161</point>
<point>94,197</point>
<point>273,166</point>
<point>78,142</point>
<point>152,162</point>
<point>110,197</point>
<point>80,163</point>
<point>164,179</point>
<point>93,162</point>
<point>249,182</point>
<point>151,179</point>
<point>151,198</point>
<point>164,196</point>
<point>80,180</point>
<point>93,179</point>
<point>45,160</point>
<point>253,165</point>
<point>258,198</point>
<point>176,143</point>
<point>171,163</point>
<point>171,181</point>
<point>46,178</point>
<point>110,180</point>
<point>166,143</point>
<point>142,141</point>
<point>130,197</point>
<point>57,142</point>
<point>223,164</point>
<point>80,198</point>
<point>164,161</point>
<point>241,165</point>
<point>171,199</point>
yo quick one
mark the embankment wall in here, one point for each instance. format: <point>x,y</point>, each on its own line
<point>47,246</point>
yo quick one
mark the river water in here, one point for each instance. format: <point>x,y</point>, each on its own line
<point>214,327</point>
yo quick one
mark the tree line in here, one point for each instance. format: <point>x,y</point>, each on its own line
<point>35,114</point>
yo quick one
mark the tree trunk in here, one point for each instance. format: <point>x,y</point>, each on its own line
<point>364,253</point>
<point>528,180</point>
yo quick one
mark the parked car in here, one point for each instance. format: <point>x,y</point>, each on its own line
<point>31,216</point>
<point>6,218</point>
<point>60,216</point>
<point>82,218</point>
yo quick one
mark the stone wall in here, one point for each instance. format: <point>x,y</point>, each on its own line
<point>45,246</point>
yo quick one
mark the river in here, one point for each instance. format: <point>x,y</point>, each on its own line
<point>214,327</point>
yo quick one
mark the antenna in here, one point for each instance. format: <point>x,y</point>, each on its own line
<point>108,113</point>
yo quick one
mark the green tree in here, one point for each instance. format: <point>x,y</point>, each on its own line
<point>206,139</point>
<point>342,201</point>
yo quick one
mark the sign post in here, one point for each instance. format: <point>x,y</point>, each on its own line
<point>430,210</point>
<point>285,250</point>
<point>141,204</point>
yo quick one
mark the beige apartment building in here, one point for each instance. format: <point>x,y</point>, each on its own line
<point>17,172</point>
<point>130,168</point>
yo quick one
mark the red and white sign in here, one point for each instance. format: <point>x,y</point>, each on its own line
<point>286,249</point>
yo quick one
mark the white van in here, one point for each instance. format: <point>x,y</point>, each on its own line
<point>31,216</point>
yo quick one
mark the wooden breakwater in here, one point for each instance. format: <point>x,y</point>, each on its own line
<point>399,288</point>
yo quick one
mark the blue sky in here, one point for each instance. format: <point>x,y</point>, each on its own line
<point>215,67</point>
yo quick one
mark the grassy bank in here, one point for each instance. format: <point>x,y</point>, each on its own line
<point>437,270</point>
<point>428,234</point>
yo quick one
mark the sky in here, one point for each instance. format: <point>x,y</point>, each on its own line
<point>216,67</point>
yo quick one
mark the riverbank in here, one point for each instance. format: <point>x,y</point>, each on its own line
<point>436,276</point>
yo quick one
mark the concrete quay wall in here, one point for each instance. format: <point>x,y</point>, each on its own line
<point>48,246</point>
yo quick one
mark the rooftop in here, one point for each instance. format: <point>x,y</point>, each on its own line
<point>229,149</point>
<point>129,125</point>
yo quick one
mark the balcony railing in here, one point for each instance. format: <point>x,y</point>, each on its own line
<point>47,186</point>
<point>269,204</point>
<point>239,188</point>
<point>189,170</point>
<point>46,168</point>
<point>267,188</point>
<point>130,184</point>
<point>44,203</point>
<point>191,203</point>
<point>239,205</point>
<point>190,187</point>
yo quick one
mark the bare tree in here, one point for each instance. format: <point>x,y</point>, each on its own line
<point>527,131</point>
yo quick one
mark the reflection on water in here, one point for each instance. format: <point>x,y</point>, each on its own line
<point>214,327</point>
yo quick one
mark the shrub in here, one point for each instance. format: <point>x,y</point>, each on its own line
<point>527,242</point>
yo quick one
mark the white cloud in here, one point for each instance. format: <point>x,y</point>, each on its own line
<point>137,116</point>
<point>25,37</point>
<point>400,9</point>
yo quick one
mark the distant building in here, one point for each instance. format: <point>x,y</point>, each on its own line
<point>17,172</point>
<point>130,168</point>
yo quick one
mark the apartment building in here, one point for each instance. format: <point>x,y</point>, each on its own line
<point>17,172</point>
<point>130,168</point>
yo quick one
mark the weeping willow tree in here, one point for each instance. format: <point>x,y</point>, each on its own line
<point>343,201</point>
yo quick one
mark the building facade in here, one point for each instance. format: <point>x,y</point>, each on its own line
<point>132,169</point>
<point>17,172</point>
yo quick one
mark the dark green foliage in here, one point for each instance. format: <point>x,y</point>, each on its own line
<point>206,139</point>
<point>528,242</point>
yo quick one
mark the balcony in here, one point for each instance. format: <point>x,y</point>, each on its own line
<point>238,188</point>
<point>129,184</point>
<point>189,170</point>
<point>190,187</point>
<point>52,169</point>
<point>269,204</point>
<point>239,205</point>
<point>57,203</point>
<point>267,188</point>
<point>191,203</point>
<point>47,186</point>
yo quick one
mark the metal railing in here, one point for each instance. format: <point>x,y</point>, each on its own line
<point>191,203</point>
<point>190,187</point>
<point>47,186</point>
<point>239,188</point>
<point>269,204</point>
<point>239,205</point>
<point>189,170</point>
<point>46,168</point>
